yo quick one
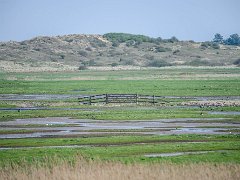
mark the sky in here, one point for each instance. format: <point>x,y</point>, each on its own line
<point>196,20</point>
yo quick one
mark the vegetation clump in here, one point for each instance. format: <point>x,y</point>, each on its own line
<point>237,62</point>
<point>233,39</point>
<point>158,63</point>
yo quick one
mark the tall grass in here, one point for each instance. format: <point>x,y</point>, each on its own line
<point>82,169</point>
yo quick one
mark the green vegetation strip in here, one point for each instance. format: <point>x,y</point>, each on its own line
<point>162,73</point>
<point>117,114</point>
<point>131,153</point>
<point>38,142</point>
<point>155,87</point>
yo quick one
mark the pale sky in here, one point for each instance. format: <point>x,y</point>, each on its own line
<point>196,20</point>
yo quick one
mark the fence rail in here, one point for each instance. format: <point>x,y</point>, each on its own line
<point>118,98</point>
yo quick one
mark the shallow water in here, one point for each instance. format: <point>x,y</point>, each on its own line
<point>94,127</point>
<point>45,108</point>
<point>75,96</point>
<point>225,112</point>
<point>180,153</point>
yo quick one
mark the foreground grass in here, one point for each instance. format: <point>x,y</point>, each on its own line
<point>82,169</point>
<point>225,148</point>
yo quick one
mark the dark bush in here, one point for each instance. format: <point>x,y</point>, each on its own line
<point>198,62</point>
<point>130,43</point>
<point>176,51</point>
<point>124,37</point>
<point>88,49</point>
<point>115,44</point>
<point>91,63</point>
<point>114,64</point>
<point>173,39</point>
<point>98,43</point>
<point>162,49</point>
<point>62,56</point>
<point>82,67</point>
<point>158,63</point>
<point>215,46</point>
<point>207,44</point>
<point>149,56</point>
<point>126,61</point>
<point>83,53</point>
<point>237,62</point>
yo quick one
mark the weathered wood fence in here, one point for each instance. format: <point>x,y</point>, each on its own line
<point>118,98</point>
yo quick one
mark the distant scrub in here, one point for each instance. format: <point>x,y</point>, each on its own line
<point>198,62</point>
<point>237,62</point>
<point>88,49</point>
<point>134,40</point>
<point>162,49</point>
<point>158,63</point>
<point>233,39</point>
<point>114,64</point>
<point>97,43</point>
<point>149,57</point>
<point>83,53</point>
<point>124,37</point>
<point>176,52</point>
<point>127,61</point>
<point>83,67</point>
<point>208,44</point>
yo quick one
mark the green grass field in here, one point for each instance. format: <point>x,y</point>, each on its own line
<point>125,148</point>
<point>151,87</point>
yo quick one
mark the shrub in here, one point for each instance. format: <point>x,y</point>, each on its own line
<point>149,56</point>
<point>62,56</point>
<point>173,39</point>
<point>82,68</point>
<point>91,63</point>
<point>162,49</point>
<point>234,39</point>
<point>88,49</point>
<point>207,44</point>
<point>215,46</point>
<point>176,51</point>
<point>158,63</point>
<point>237,62</point>
<point>127,61</point>
<point>115,44</point>
<point>130,43</point>
<point>198,62</point>
<point>124,37</point>
<point>83,53</point>
<point>204,45</point>
<point>98,43</point>
<point>114,64</point>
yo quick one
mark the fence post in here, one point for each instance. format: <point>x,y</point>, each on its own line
<point>106,98</point>
<point>90,100</point>
<point>153,99</point>
<point>136,98</point>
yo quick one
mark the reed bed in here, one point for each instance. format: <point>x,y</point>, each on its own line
<point>92,170</point>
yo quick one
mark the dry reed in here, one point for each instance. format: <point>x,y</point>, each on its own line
<point>83,170</point>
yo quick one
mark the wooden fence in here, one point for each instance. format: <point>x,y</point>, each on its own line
<point>118,98</point>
